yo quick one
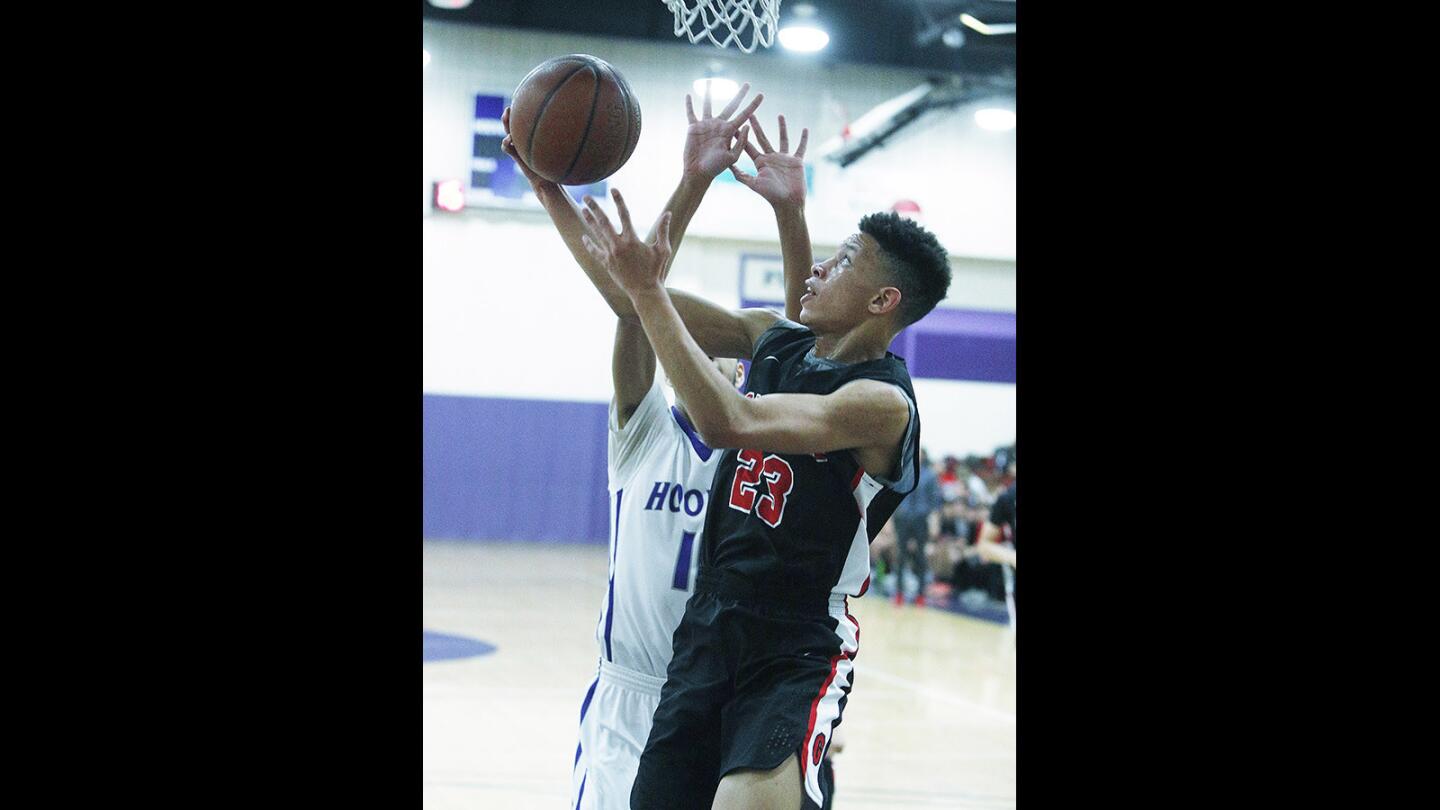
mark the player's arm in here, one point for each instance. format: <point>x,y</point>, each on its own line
<point>565,215</point>
<point>989,548</point>
<point>860,415</point>
<point>708,150</point>
<point>863,414</point>
<point>632,364</point>
<point>712,143</point>
<point>717,330</point>
<point>632,368</point>
<point>780,179</point>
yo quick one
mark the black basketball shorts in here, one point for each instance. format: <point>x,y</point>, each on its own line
<point>753,680</point>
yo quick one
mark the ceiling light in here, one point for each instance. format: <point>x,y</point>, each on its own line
<point>802,33</point>
<point>451,4</point>
<point>953,37</point>
<point>721,90</point>
<point>803,38</point>
<point>995,119</point>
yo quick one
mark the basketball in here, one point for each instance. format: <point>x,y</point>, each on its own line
<point>574,120</point>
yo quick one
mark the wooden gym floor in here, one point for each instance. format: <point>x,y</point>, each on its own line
<point>930,722</point>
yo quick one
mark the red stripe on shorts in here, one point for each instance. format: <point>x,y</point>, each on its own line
<point>814,707</point>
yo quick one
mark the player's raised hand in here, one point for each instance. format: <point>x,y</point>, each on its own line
<point>635,264</point>
<point>779,176</point>
<point>714,142</point>
<point>543,188</point>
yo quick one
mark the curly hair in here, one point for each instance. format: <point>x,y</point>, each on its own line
<point>914,258</point>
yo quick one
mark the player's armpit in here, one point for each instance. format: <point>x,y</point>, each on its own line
<point>864,414</point>
<point>721,332</point>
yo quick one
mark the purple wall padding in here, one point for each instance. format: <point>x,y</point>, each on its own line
<point>514,469</point>
<point>960,344</point>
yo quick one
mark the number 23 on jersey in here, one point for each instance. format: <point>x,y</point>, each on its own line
<point>751,466</point>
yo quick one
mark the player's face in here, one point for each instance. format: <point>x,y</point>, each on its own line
<point>840,289</point>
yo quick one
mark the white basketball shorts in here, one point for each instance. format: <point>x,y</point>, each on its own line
<point>615,722</point>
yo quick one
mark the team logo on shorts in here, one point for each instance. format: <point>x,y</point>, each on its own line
<point>819,748</point>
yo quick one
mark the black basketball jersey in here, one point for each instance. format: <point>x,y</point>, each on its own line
<point>799,522</point>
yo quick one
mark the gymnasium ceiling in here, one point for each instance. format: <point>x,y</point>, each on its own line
<point>898,33</point>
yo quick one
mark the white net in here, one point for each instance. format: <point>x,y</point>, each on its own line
<point>727,21</point>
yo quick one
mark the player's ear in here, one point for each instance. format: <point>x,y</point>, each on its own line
<point>885,301</point>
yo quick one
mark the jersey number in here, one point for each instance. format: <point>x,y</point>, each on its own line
<point>750,467</point>
<point>682,562</point>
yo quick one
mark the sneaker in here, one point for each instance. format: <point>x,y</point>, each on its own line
<point>919,600</point>
<point>899,598</point>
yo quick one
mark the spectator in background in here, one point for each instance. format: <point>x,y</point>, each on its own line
<point>950,482</point>
<point>916,520</point>
<point>974,579</point>
<point>1004,456</point>
<point>948,546</point>
<point>975,486</point>
<point>997,538</point>
<point>1009,477</point>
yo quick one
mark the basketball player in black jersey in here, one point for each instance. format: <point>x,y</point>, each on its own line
<point>819,454</point>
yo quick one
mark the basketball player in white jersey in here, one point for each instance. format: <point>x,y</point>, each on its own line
<point>660,475</point>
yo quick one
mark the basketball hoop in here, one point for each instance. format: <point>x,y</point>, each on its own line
<point>698,19</point>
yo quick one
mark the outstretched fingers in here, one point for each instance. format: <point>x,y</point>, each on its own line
<point>690,109</point>
<point>749,111</point>
<point>705,105</point>
<point>625,226</point>
<point>784,136</point>
<point>804,136</point>
<point>662,235</point>
<point>735,102</point>
<point>598,223</point>
<point>742,144</point>
<point>760,135</point>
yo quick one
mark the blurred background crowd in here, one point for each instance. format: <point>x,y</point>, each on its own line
<point>952,543</point>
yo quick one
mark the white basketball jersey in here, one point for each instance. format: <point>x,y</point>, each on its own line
<point>660,476</point>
